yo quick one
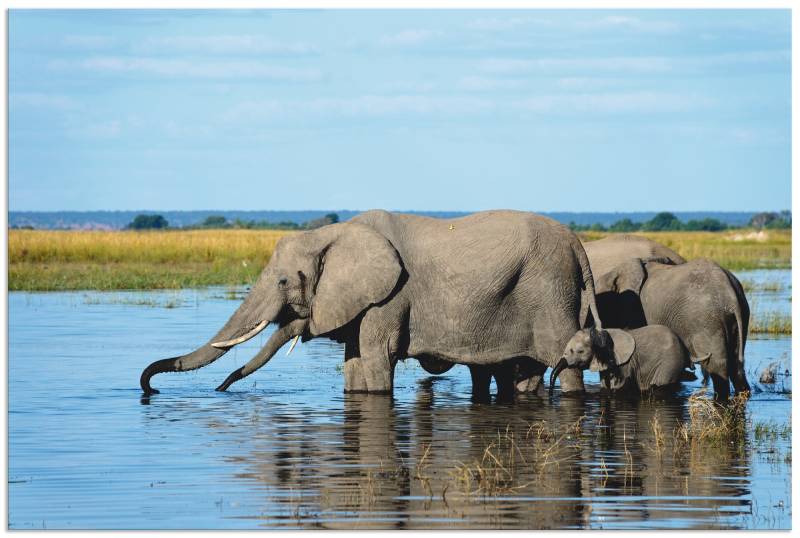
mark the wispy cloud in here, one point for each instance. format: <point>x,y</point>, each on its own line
<point>223,44</point>
<point>497,24</point>
<point>459,107</point>
<point>41,100</point>
<point>625,22</point>
<point>615,103</point>
<point>409,38</point>
<point>636,64</point>
<point>360,106</point>
<point>201,69</point>
<point>485,84</point>
<point>89,42</point>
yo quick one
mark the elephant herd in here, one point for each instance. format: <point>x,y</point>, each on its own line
<point>507,293</point>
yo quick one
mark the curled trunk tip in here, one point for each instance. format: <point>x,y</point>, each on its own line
<point>163,365</point>
<point>560,365</point>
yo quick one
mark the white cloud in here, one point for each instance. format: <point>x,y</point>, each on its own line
<point>633,64</point>
<point>88,42</point>
<point>41,100</point>
<point>480,84</point>
<point>239,69</point>
<point>359,106</point>
<point>223,44</point>
<point>622,22</point>
<point>103,130</point>
<point>495,24</point>
<point>503,66</point>
<point>614,103</point>
<point>409,38</point>
<point>459,106</point>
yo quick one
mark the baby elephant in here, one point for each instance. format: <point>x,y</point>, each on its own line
<point>639,360</point>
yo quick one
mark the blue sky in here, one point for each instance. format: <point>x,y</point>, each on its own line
<point>573,110</point>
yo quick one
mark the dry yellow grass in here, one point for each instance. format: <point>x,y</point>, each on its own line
<point>70,260</point>
<point>733,249</point>
<point>67,260</point>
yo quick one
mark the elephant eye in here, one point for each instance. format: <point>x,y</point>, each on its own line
<point>282,281</point>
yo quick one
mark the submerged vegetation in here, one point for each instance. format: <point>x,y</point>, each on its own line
<point>172,259</point>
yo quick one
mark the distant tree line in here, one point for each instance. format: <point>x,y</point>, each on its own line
<point>151,222</point>
<point>666,221</point>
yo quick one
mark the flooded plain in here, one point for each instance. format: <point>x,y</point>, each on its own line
<point>285,448</point>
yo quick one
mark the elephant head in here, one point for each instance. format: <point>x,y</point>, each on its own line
<point>315,283</point>
<point>597,350</point>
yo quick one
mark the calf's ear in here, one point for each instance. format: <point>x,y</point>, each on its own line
<point>624,345</point>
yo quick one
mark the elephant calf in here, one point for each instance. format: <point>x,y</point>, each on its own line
<point>640,360</point>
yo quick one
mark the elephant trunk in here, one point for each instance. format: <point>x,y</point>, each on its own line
<point>248,320</point>
<point>557,369</point>
<point>276,341</point>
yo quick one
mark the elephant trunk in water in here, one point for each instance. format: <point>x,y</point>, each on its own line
<point>276,341</point>
<point>248,320</point>
<point>557,369</point>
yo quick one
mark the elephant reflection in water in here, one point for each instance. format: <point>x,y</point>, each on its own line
<point>392,465</point>
<point>644,468</point>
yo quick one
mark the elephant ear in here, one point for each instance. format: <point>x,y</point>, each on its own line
<point>628,275</point>
<point>624,345</point>
<point>359,268</point>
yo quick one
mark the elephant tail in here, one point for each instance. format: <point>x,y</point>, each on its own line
<point>588,301</point>
<point>738,376</point>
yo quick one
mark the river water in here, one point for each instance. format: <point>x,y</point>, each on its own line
<point>286,448</point>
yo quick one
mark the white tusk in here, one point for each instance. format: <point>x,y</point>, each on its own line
<point>294,343</point>
<point>230,343</point>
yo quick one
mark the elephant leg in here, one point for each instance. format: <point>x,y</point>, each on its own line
<point>481,379</point>
<point>378,373</point>
<point>505,377</point>
<point>354,380</point>
<point>551,332</point>
<point>529,374</point>
<point>739,379</point>
<point>722,387</point>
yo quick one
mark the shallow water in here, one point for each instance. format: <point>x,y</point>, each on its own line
<point>286,448</point>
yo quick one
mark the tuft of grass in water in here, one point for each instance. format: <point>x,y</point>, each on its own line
<point>733,249</point>
<point>770,323</point>
<point>97,299</point>
<point>73,260</point>
<point>771,431</point>
<point>712,424</point>
<point>768,285</point>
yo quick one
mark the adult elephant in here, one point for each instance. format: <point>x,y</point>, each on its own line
<point>604,254</point>
<point>703,303</point>
<point>476,290</point>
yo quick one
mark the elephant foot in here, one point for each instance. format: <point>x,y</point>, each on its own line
<point>354,380</point>
<point>529,385</point>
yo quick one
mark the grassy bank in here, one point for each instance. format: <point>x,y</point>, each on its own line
<point>734,249</point>
<point>67,260</point>
<point>72,260</point>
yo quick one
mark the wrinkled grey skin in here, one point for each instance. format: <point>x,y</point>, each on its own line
<point>604,254</point>
<point>476,290</point>
<point>703,303</point>
<point>651,358</point>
